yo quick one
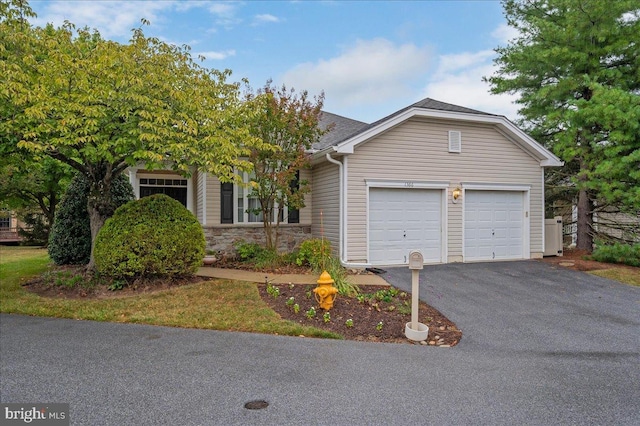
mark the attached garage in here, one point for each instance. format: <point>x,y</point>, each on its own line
<point>495,225</point>
<point>405,219</point>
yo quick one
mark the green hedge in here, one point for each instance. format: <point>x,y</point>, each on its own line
<point>626,254</point>
<point>153,236</point>
<point>70,237</point>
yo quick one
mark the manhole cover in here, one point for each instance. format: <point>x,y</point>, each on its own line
<point>256,405</point>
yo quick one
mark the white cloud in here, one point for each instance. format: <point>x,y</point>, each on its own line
<point>462,61</point>
<point>223,9</point>
<point>225,14</point>
<point>266,18</point>
<point>367,73</point>
<point>216,56</point>
<point>505,33</point>
<point>458,80</point>
<point>111,18</point>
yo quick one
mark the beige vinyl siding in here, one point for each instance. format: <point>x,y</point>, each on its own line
<point>213,200</point>
<point>325,195</point>
<point>208,198</point>
<point>418,150</point>
<point>200,195</point>
<point>306,211</point>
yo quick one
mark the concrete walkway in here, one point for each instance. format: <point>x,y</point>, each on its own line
<point>260,277</point>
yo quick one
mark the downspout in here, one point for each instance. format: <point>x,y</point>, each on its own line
<point>341,208</point>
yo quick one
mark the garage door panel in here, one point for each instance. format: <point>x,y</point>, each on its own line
<point>401,220</point>
<point>493,225</point>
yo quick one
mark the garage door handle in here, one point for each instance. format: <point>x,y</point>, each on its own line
<point>493,232</point>
<point>405,234</point>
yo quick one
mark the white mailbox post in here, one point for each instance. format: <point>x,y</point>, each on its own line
<point>415,330</point>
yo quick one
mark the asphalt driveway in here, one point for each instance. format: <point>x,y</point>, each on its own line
<point>532,307</point>
<point>541,346</point>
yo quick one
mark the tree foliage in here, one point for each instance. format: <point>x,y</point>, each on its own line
<point>575,67</point>
<point>70,237</point>
<point>287,125</point>
<point>100,106</point>
<point>32,186</point>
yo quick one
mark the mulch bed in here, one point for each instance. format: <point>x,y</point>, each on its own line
<point>51,284</point>
<point>366,315</point>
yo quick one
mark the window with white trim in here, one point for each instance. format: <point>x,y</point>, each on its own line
<point>237,205</point>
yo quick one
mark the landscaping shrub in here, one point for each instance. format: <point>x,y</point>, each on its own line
<point>153,236</point>
<point>314,252</point>
<point>70,237</point>
<point>260,256</point>
<point>36,230</point>
<point>618,253</point>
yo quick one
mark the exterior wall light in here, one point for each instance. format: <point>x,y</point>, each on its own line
<point>457,192</point>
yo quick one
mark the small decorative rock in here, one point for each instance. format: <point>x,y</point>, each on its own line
<point>437,338</point>
<point>432,342</point>
<point>423,342</point>
<point>442,328</point>
<point>444,346</point>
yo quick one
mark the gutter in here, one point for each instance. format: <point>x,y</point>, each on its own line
<point>341,204</point>
<point>343,216</point>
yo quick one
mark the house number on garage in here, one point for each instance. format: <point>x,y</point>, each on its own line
<point>408,184</point>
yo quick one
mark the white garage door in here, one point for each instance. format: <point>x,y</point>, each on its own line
<point>401,220</point>
<point>493,225</point>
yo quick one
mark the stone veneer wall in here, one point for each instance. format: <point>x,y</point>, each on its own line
<point>222,239</point>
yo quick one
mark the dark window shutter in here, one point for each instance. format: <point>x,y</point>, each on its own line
<point>226,202</point>
<point>294,214</point>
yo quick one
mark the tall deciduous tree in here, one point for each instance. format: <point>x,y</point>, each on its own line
<point>575,66</point>
<point>287,124</point>
<point>101,106</point>
<point>33,184</point>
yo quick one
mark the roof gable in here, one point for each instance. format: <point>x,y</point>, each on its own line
<point>344,143</point>
<point>341,129</point>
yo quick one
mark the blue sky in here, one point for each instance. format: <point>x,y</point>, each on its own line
<point>370,58</point>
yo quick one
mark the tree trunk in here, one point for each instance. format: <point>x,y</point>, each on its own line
<point>100,207</point>
<point>96,221</point>
<point>585,221</point>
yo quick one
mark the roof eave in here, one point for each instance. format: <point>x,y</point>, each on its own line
<point>546,157</point>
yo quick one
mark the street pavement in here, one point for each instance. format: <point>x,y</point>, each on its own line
<point>540,346</point>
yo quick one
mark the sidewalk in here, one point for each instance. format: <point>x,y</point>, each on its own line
<point>260,277</point>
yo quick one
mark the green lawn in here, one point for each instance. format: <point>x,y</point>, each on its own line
<point>215,304</point>
<point>624,275</point>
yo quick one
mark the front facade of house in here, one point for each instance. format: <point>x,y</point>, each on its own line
<point>9,227</point>
<point>379,191</point>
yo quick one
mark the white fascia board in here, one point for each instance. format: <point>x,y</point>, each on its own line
<point>546,157</point>
<point>489,186</point>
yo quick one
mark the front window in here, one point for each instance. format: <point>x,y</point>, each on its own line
<point>239,205</point>
<point>247,205</point>
<point>174,188</point>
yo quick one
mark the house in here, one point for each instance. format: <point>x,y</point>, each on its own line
<point>458,184</point>
<point>9,226</point>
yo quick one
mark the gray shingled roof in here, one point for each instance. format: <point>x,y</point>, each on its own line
<point>344,128</point>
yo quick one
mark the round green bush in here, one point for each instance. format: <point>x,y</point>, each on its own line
<point>70,237</point>
<point>153,236</point>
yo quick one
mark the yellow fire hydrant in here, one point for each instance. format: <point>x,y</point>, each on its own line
<point>325,291</point>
